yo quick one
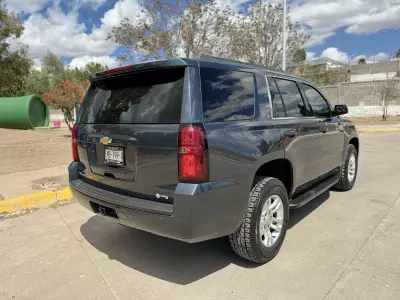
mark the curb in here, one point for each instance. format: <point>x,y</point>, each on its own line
<point>34,201</point>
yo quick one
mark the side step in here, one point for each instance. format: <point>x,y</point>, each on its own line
<point>314,192</point>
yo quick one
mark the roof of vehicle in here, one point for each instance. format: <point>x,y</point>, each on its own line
<point>202,61</point>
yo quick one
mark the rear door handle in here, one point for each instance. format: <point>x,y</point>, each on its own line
<point>291,133</point>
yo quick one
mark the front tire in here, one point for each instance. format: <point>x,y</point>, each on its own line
<point>348,172</point>
<point>264,228</point>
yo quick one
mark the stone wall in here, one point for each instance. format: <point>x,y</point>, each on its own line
<point>363,98</point>
<point>359,93</point>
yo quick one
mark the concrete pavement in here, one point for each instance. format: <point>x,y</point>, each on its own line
<point>340,246</point>
<point>22,183</point>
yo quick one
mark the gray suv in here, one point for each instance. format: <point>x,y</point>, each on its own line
<point>199,149</point>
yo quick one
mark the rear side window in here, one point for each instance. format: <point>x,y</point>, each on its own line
<point>292,100</point>
<point>319,106</point>
<point>277,104</point>
<point>227,95</point>
<point>151,97</point>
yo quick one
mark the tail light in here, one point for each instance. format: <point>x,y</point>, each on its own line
<point>75,154</point>
<point>115,70</point>
<point>192,154</point>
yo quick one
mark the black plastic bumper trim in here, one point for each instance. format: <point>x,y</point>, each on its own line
<point>121,200</point>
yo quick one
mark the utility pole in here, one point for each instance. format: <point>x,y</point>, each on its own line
<point>284,37</point>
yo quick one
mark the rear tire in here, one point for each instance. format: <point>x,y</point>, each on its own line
<point>348,172</point>
<point>264,228</point>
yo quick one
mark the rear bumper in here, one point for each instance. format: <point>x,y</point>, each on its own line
<point>200,211</point>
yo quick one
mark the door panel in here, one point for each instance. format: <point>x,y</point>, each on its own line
<point>331,129</point>
<point>332,141</point>
<point>301,138</point>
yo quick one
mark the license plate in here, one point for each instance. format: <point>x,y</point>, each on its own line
<point>114,155</point>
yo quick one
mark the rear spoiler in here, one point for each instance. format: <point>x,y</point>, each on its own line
<point>158,64</point>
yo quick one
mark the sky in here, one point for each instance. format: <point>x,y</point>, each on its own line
<point>76,30</point>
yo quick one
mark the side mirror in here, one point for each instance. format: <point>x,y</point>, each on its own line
<point>340,109</point>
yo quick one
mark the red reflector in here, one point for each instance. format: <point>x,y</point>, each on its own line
<point>75,154</point>
<point>192,154</point>
<point>115,70</point>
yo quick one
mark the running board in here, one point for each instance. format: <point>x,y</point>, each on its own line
<point>314,192</point>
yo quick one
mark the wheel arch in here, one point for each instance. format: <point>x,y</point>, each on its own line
<point>355,142</point>
<point>279,168</point>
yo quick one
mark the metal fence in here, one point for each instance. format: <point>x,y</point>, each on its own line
<point>366,93</point>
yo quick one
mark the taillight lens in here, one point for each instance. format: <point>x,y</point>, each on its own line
<point>124,68</point>
<point>192,154</point>
<point>75,154</point>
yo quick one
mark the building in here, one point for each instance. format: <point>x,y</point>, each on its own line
<point>324,63</point>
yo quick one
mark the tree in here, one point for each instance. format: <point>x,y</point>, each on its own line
<point>362,61</point>
<point>299,56</point>
<point>175,28</point>
<point>191,27</point>
<point>14,65</point>
<point>207,29</point>
<point>398,54</point>
<point>54,72</point>
<point>54,69</point>
<point>258,37</point>
<point>388,92</point>
<point>93,68</point>
<point>50,76</point>
<point>66,97</point>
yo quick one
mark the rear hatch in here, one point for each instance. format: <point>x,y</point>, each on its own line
<point>130,124</point>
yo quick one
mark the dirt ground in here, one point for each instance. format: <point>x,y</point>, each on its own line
<point>27,150</point>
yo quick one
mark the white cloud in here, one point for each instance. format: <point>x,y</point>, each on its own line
<point>310,55</point>
<point>63,35</point>
<point>26,6</point>
<point>335,54</point>
<point>381,56</point>
<point>122,9</point>
<point>81,62</point>
<point>324,17</point>
<point>341,56</point>
<point>95,3</point>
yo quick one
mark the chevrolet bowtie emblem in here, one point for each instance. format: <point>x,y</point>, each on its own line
<point>105,140</point>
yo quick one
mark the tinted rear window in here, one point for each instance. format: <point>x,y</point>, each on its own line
<point>141,98</point>
<point>227,95</point>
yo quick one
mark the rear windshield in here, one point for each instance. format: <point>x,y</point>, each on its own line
<point>139,98</point>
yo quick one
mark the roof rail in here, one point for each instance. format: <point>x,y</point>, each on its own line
<point>218,59</point>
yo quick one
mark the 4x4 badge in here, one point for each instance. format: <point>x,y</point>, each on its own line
<point>105,140</point>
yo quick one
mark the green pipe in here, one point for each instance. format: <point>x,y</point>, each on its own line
<point>26,112</point>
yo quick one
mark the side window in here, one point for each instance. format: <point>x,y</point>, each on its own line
<point>263,97</point>
<point>277,104</point>
<point>319,106</point>
<point>227,95</point>
<point>291,97</point>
